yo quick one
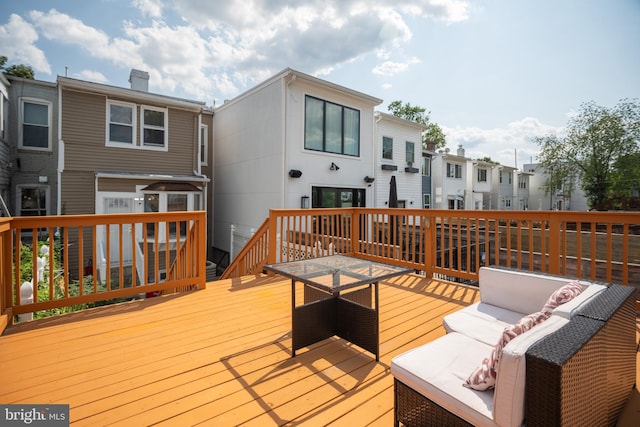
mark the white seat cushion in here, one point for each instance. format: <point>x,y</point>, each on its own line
<point>438,369</point>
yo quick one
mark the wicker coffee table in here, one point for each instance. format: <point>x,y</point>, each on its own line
<point>340,298</point>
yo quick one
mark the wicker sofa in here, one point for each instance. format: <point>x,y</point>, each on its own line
<point>575,368</point>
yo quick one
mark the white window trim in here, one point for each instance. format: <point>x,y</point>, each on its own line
<point>165,128</point>
<point>204,155</point>
<point>49,119</point>
<point>110,143</point>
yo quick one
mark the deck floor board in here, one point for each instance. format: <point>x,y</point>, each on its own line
<point>219,356</point>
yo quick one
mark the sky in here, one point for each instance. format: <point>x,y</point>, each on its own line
<point>494,74</point>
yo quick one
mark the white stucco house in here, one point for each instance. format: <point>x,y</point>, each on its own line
<point>292,141</point>
<point>449,174</point>
<point>502,195</point>
<point>399,154</point>
<point>481,178</point>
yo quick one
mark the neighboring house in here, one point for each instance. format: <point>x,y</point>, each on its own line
<point>562,200</point>
<point>127,150</point>
<point>522,190</point>
<point>449,172</point>
<point>425,171</point>
<point>398,154</point>
<point>32,133</point>
<point>481,178</point>
<point>5,159</point>
<point>502,194</point>
<point>292,141</point>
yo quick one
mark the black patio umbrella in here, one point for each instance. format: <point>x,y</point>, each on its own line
<point>393,203</point>
<point>393,193</point>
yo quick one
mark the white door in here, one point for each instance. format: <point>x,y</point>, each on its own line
<point>117,203</point>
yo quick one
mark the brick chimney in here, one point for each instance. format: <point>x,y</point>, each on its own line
<point>139,80</point>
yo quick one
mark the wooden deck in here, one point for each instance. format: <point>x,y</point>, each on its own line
<point>219,356</point>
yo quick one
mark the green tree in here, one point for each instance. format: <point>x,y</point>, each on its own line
<point>596,149</point>
<point>17,70</point>
<point>488,160</point>
<point>433,132</point>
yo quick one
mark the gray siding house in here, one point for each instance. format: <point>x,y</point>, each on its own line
<point>4,147</point>
<point>31,133</point>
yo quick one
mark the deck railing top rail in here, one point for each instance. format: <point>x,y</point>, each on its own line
<point>454,244</point>
<point>61,263</point>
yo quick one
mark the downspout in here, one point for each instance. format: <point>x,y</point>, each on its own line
<point>373,158</point>
<point>60,168</point>
<point>285,94</point>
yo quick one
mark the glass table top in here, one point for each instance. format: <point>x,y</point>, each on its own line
<point>337,272</point>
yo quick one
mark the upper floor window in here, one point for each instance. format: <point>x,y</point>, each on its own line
<point>482,175</point>
<point>426,166</point>
<point>522,182</point>
<point>410,150</point>
<point>387,148</point>
<point>153,130</point>
<point>121,122</point>
<point>506,177</point>
<point>122,126</point>
<point>204,147</point>
<point>331,128</point>
<point>36,124</point>
<point>454,170</point>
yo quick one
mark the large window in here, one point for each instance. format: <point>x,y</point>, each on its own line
<point>204,146</point>
<point>410,150</point>
<point>426,166</point>
<point>331,128</point>
<point>121,121</point>
<point>33,200</point>
<point>482,175</point>
<point>153,131</point>
<point>36,120</point>
<point>330,197</point>
<point>454,170</point>
<point>387,148</point>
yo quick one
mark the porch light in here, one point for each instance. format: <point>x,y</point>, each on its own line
<point>295,173</point>
<point>304,202</point>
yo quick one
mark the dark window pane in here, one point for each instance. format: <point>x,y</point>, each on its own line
<point>351,132</point>
<point>35,136</point>
<point>154,137</point>
<point>36,114</point>
<point>120,133</point>
<point>313,125</point>
<point>154,118</point>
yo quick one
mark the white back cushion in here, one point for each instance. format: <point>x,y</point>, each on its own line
<point>509,393</point>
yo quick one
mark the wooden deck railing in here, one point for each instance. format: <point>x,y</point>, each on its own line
<point>454,244</point>
<point>75,271</point>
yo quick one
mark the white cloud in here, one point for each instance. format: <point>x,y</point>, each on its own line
<point>18,39</point>
<point>390,68</point>
<point>501,144</point>
<point>223,48</point>
<point>65,29</point>
<point>151,8</point>
<point>92,76</point>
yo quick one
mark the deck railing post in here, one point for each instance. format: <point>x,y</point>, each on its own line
<point>554,244</point>
<point>355,230</point>
<point>273,232</point>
